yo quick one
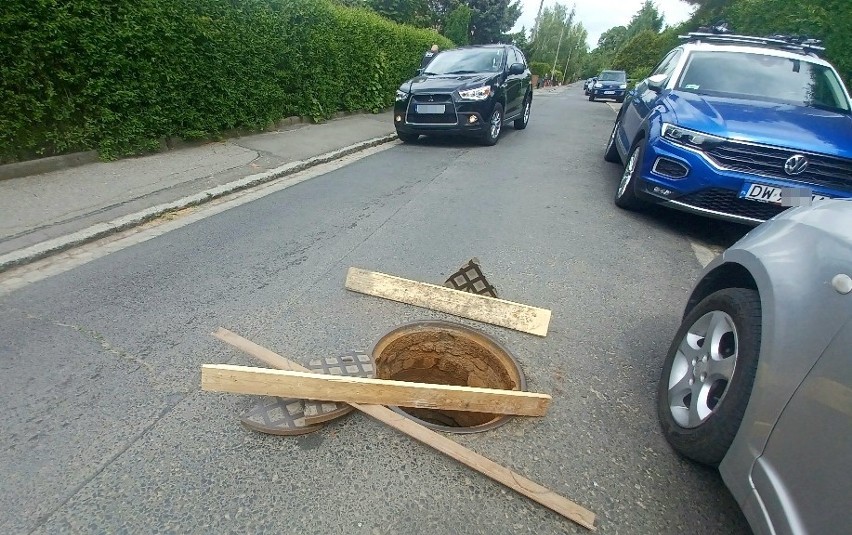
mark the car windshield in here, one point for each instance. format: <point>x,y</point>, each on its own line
<point>467,61</point>
<point>612,76</point>
<point>764,77</point>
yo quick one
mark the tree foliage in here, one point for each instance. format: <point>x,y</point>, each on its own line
<point>559,40</point>
<point>120,76</point>
<point>457,25</point>
<point>492,19</point>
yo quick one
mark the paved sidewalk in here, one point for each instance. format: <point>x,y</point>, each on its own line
<point>48,207</point>
<point>50,212</point>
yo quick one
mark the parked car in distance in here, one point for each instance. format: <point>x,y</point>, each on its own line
<point>470,91</point>
<point>758,378</point>
<point>735,127</point>
<point>609,85</point>
<point>587,85</point>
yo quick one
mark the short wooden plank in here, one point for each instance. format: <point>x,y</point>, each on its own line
<point>302,385</point>
<point>476,307</point>
<point>487,467</point>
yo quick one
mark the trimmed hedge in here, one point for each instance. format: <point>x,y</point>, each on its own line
<point>120,76</point>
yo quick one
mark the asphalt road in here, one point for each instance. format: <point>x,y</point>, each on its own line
<point>105,429</point>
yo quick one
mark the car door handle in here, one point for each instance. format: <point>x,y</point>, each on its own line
<point>842,283</point>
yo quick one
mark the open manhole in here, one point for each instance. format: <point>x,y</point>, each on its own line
<point>440,352</point>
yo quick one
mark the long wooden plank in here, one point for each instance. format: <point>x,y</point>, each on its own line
<point>480,463</point>
<point>515,316</point>
<point>302,385</point>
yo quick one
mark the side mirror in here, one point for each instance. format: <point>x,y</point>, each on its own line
<point>655,83</point>
<point>517,68</point>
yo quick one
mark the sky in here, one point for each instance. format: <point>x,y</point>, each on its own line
<point>600,15</point>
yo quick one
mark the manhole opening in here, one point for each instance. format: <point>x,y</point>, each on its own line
<point>450,354</point>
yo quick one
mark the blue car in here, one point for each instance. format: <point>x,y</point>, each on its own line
<point>735,127</point>
<point>610,85</point>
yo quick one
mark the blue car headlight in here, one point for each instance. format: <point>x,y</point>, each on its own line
<point>401,95</point>
<point>690,138</point>
<point>477,93</point>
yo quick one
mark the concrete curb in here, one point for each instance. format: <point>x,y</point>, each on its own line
<point>101,230</point>
<point>46,165</point>
<point>40,166</point>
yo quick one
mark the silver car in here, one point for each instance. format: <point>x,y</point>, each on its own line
<point>758,379</point>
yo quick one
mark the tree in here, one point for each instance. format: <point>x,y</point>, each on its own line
<point>492,19</point>
<point>648,18</point>
<point>457,25</point>
<point>414,12</point>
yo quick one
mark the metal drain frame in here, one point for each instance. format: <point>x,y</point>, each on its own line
<point>476,335</point>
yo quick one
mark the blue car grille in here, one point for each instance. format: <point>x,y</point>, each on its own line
<point>728,202</point>
<point>448,117</point>
<point>827,171</point>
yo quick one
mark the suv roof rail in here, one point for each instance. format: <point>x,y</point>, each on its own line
<point>790,43</point>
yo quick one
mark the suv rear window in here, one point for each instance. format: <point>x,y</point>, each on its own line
<point>467,61</point>
<point>612,76</point>
<point>764,77</point>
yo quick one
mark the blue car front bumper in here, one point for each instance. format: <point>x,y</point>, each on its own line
<point>609,92</point>
<point>708,188</point>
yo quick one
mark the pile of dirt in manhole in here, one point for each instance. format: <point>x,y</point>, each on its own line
<point>451,354</point>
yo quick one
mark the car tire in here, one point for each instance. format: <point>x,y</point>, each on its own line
<point>611,152</point>
<point>703,429</point>
<point>522,121</point>
<point>407,138</point>
<point>591,97</point>
<point>625,195</point>
<point>495,126</point>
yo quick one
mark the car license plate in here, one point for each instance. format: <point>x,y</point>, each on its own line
<point>609,92</point>
<point>431,108</point>
<point>776,195</point>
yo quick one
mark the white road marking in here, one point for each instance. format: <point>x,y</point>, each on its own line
<point>612,107</point>
<point>19,277</point>
<point>704,254</point>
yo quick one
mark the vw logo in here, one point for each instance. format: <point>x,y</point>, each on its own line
<point>796,165</point>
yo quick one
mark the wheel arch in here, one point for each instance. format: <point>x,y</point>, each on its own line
<point>728,275</point>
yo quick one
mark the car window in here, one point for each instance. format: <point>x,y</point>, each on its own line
<point>669,63</point>
<point>764,77</point>
<point>613,76</point>
<point>512,57</point>
<point>467,61</point>
<point>521,57</point>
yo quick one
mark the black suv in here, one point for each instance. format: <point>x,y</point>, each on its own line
<point>466,91</point>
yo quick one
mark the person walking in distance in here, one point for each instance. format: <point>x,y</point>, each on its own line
<point>428,56</point>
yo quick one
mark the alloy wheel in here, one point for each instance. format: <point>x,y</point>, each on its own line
<point>702,369</point>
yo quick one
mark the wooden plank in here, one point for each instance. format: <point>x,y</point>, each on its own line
<point>302,385</point>
<point>507,314</point>
<point>487,467</point>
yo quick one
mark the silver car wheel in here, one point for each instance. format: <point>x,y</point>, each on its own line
<point>628,172</point>
<point>702,369</point>
<point>496,124</point>
<point>527,112</point>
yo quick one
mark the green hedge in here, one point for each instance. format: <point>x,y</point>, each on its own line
<point>120,76</point>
